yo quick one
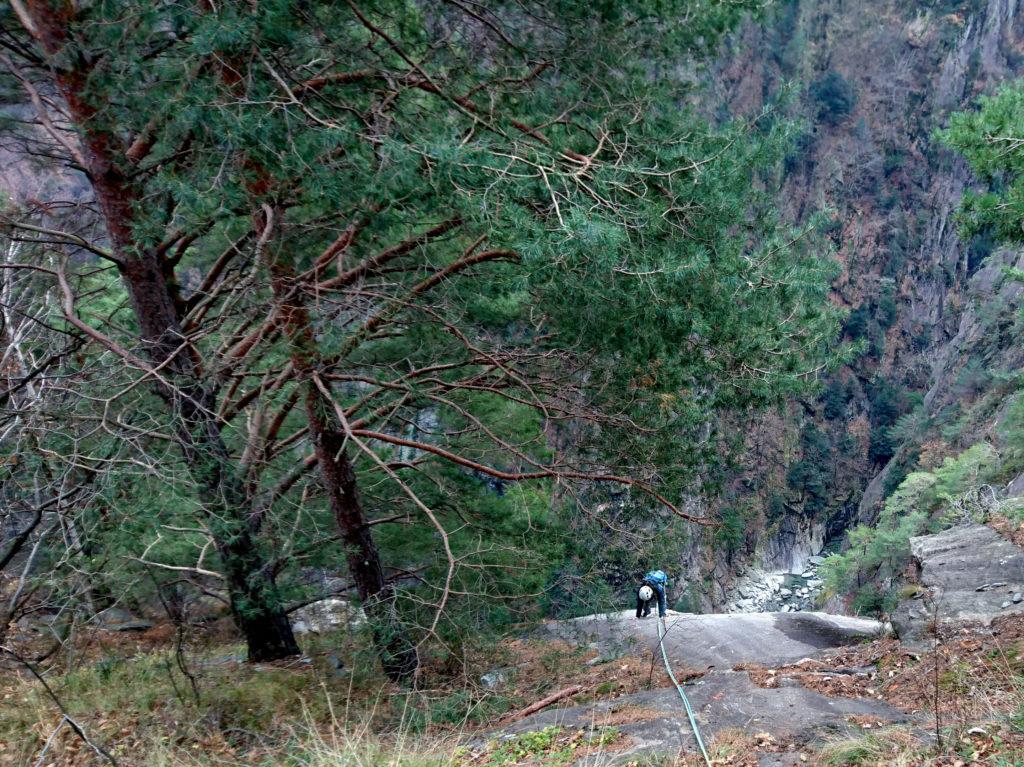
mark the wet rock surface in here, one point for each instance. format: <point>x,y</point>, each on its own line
<point>967,573</point>
<point>758,591</point>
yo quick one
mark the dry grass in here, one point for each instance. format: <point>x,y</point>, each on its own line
<point>890,747</point>
<point>128,693</point>
<point>979,671</point>
<point>306,714</point>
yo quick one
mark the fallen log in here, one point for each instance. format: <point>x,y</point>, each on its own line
<point>533,708</point>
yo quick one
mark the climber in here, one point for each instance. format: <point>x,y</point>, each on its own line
<point>653,584</point>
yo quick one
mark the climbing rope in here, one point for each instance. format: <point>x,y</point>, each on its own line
<point>679,689</point>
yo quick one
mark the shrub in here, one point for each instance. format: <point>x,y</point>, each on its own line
<point>888,403</point>
<point>834,96</point>
<point>979,248</point>
<point>729,533</point>
<point>809,476</point>
<point>880,552</point>
<point>885,309</point>
<point>856,324</point>
<point>894,160</point>
<point>835,399</point>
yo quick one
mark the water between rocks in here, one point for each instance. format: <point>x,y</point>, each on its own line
<point>759,592</point>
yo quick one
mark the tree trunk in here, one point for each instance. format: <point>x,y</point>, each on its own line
<point>255,602</point>
<point>396,651</point>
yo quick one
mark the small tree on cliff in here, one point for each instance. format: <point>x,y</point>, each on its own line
<point>992,141</point>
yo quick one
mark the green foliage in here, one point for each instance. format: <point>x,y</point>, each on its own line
<point>835,399</point>
<point>872,318</point>
<point>885,307</point>
<point>888,403</point>
<point>979,248</point>
<point>150,686</point>
<point>1012,433</point>
<point>989,139</point>
<point>834,96</point>
<point>894,160</point>
<point>776,506</point>
<point>734,526</point>
<point>877,553</point>
<point>809,476</point>
<point>857,321</point>
<point>902,463</point>
<point>541,747</point>
<point>638,285</point>
<point>457,709</point>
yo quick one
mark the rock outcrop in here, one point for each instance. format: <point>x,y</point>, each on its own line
<point>969,573</point>
<point>327,615</point>
<point>724,697</point>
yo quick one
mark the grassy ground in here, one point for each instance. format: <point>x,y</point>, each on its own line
<point>151,706</point>
<point>134,696</point>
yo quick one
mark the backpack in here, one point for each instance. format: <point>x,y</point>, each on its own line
<point>657,576</point>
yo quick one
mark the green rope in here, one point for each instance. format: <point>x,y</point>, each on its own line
<point>679,689</point>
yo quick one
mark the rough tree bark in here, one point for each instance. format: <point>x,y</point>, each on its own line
<point>255,602</point>
<point>397,652</point>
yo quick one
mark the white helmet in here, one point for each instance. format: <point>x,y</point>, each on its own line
<point>646,593</point>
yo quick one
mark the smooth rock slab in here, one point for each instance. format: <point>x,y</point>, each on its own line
<point>952,564</point>
<point>722,640</point>
<point>722,700</point>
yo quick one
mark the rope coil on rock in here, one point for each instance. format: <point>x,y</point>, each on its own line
<point>679,689</point>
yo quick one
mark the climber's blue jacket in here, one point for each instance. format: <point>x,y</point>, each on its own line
<point>657,580</point>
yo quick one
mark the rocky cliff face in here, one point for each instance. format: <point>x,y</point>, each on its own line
<point>935,317</point>
<point>969,573</point>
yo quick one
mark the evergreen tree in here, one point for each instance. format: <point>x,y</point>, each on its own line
<point>992,141</point>
<point>403,246</point>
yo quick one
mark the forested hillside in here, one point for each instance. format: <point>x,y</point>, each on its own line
<point>349,351</point>
<point>931,311</point>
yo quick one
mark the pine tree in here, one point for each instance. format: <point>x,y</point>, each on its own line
<point>404,245</point>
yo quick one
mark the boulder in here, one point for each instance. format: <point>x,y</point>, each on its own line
<point>202,608</point>
<point>327,615</point>
<point>967,572</point>
<point>116,619</point>
<point>496,679</point>
<point>1016,488</point>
